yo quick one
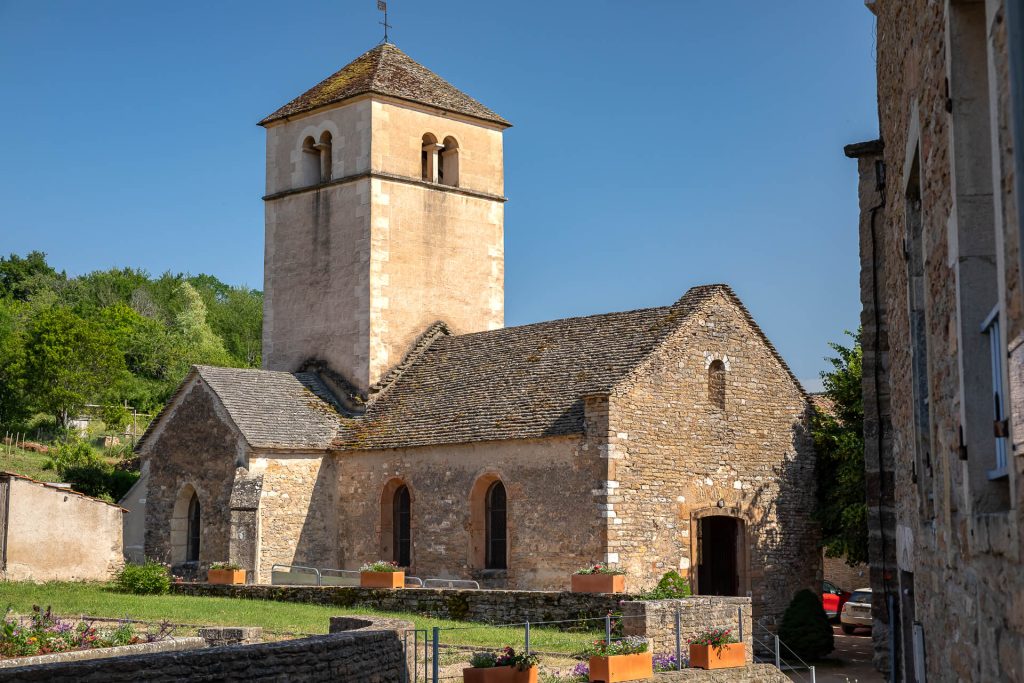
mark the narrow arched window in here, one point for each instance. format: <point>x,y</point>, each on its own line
<point>310,162</point>
<point>194,517</point>
<point>716,384</point>
<point>448,172</point>
<point>496,535</point>
<point>402,526</point>
<point>429,158</point>
<point>326,156</point>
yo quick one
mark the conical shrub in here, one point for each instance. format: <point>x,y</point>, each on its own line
<point>805,628</point>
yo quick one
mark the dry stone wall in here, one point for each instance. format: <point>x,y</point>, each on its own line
<point>656,620</point>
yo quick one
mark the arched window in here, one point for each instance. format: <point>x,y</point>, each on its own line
<point>716,384</point>
<point>448,166</point>
<point>429,158</point>
<point>496,530</point>
<point>326,156</point>
<point>310,162</point>
<point>194,518</point>
<point>401,515</point>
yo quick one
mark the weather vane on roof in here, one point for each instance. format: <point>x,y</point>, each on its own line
<point>383,7</point>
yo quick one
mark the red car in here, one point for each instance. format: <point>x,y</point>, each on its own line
<point>832,599</point>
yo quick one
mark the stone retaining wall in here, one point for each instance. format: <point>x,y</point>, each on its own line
<point>656,620</point>
<point>486,606</point>
<point>170,645</point>
<point>374,657</point>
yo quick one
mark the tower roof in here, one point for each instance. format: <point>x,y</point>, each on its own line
<point>386,70</point>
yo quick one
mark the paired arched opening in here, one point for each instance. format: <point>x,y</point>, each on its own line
<point>186,526</point>
<point>317,158</point>
<point>396,523</point>
<point>439,162</point>
<point>716,384</point>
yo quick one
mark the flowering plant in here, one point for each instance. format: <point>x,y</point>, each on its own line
<point>630,645</point>
<point>521,661</point>
<point>380,566</point>
<point>598,568</point>
<point>668,662</point>
<point>714,637</point>
<point>483,660</point>
<point>45,634</point>
<point>233,566</point>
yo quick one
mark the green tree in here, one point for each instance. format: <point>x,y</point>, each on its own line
<point>12,358</point>
<point>838,430</point>
<point>805,629</point>
<point>69,362</point>
<point>20,277</point>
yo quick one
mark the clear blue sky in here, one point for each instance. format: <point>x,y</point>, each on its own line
<point>656,145</point>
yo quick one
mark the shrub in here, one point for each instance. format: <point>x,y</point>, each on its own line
<point>805,628</point>
<point>671,586</point>
<point>78,464</point>
<point>151,578</point>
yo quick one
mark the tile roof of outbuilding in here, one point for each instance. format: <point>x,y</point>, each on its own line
<point>386,70</point>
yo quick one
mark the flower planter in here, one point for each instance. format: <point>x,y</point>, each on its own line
<point>499,674</point>
<point>598,583</point>
<point>382,579</point>
<point>226,576</point>
<point>724,657</point>
<point>622,667</point>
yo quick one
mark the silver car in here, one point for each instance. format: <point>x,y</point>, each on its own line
<point>856,611</point>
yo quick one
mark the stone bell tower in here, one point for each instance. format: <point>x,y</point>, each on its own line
<point>384,213</point>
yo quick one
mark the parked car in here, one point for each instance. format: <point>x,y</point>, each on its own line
<point>832,599</point>
<point>857,611</point>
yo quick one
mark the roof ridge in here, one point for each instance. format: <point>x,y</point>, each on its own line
<point>560,320</point>
<point>434,331</point>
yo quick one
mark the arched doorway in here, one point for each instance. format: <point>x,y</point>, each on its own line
<point>186,527</point>
<point>721,555</point>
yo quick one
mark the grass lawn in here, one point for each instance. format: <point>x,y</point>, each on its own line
<point>26,463</point>
<point>97,600</point>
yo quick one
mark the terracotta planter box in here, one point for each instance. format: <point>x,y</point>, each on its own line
<point>598,583</point>
<point>382,579</point>
<point>725,657</point>
<point>500,674</point>
<point>622,667</point>
<point>227,576</point>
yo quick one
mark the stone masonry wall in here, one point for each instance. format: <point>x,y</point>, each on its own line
<point>194,447</point>
<point>656,620</point>
<point>843,575</point>
<point>673,456</point>
<point>957,534</point>
<point>485,606</point>
<point>374,657</point>
<point>553,526</point>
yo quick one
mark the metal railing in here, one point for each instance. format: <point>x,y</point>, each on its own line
<point>299,575</point>
<point>782,656</point>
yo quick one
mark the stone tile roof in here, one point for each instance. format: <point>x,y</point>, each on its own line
<point>271,409</point>
<point>517,382</point>
<point>386,70</point>
<point>275,409</point>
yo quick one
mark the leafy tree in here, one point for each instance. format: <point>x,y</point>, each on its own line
<point>69,362</point>
<point>22,277</point>
<point>805,628</point>
<point>197,343</point>
<point>12,357</point>
<point>838,430</point>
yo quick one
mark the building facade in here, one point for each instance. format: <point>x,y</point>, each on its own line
<point>942,335</point>
<point>398,419</point>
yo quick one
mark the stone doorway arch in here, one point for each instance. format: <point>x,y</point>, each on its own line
<point>721,548</point>
<point>186,527</point>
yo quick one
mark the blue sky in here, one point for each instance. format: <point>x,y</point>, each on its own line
<point>655,146</point>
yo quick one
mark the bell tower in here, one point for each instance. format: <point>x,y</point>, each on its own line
<point>384,213</point>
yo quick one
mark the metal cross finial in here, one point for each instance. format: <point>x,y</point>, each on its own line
<point>383,7</point>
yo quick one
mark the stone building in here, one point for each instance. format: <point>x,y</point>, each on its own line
<point>398,418</point>
<point>942,334</point>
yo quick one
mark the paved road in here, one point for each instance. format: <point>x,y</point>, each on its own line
<point>850,661</point>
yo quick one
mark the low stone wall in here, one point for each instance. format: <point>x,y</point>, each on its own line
<point>375,657</point>
<point>656,620</point>
<point>170,645</point>
<point>486,606</point>
<point>752,673</point>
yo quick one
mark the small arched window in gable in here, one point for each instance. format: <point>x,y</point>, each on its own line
<point>326,156</point>
<point>448,167</point>
<point>716,384</point>
<point>310,162</point>
<point>429,158</point>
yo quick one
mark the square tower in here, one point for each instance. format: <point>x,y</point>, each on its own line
<point>384,214</point>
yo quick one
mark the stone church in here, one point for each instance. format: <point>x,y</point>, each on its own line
<point>397,418</point>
